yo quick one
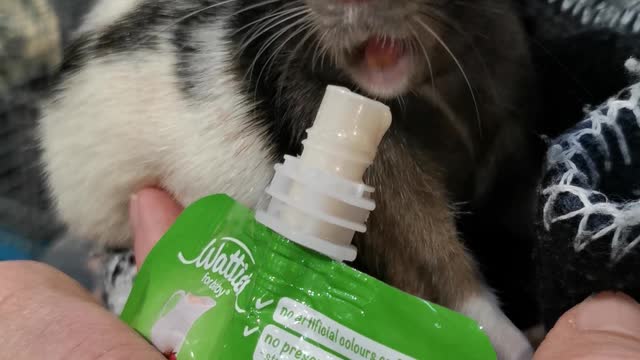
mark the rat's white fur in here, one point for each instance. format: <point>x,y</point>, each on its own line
<point>105,13</point>
<point>509,343</point>
<point>139,129</point>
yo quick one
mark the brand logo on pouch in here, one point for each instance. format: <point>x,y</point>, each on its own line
<point>228,258</point>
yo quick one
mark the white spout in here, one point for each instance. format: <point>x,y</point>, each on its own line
<point>319,200</point>
<point>345,136</point>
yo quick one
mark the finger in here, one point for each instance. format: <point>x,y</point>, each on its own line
<point>606,326</point>
<point>152,213</point>
<point>43,313</point>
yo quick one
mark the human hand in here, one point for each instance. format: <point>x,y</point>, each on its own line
<point>44,312</point>
<point>152,213</point>
<point>604,327</point>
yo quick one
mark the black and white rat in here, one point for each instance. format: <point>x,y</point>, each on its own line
<point>204,96</point>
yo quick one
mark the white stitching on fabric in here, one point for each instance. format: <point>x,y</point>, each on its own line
<point>624,216</point>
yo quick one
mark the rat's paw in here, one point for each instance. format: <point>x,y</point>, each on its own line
<point>508,341</point>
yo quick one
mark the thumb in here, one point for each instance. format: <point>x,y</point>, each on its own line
<point>606,326</point>
<point>152,212</point>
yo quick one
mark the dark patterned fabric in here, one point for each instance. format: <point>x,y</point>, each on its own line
<point>590,207</point>
<point>580,48</point>
<point>578,55</point>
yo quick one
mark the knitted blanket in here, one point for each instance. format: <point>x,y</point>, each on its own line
<point>589,194</point>
<point>590,207</point>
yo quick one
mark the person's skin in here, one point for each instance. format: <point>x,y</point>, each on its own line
<point>604,327</point>
<point>45,313</point>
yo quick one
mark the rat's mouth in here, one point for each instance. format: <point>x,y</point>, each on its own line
<point>382,66</point>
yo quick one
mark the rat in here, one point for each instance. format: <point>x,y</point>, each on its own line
<point>205,96</point>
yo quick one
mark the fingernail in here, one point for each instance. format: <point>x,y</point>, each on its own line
<point>612,312</point>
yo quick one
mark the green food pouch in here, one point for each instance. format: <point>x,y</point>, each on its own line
<point>226,282</point>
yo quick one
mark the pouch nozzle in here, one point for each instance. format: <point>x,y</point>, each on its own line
<point>319,200</point>
<point>345,136</point>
